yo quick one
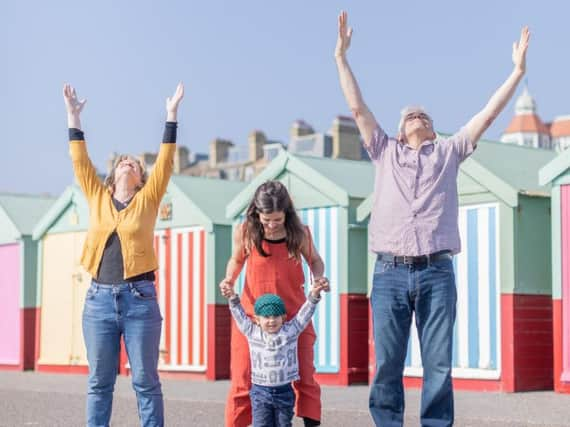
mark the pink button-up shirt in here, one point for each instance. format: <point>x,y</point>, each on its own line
<point>415,206</point>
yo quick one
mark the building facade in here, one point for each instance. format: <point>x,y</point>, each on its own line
<point>527,129</point>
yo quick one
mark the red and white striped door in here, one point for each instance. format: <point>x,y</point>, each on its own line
<point>181,287</point>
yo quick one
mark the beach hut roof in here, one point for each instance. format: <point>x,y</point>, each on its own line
<point>70,194</point>
<point>554,168</point>
<point>339,179</point>
<point>23,211</point>
<point>208,196</point>
<point>516,165</point>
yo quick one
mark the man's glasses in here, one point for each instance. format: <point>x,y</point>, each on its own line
<point>421,116</point>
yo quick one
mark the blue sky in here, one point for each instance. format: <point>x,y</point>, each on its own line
<point>253,65</point>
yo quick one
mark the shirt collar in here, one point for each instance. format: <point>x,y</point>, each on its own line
<point>426,143</point>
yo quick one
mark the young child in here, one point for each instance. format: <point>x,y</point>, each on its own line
<point>273,352</point>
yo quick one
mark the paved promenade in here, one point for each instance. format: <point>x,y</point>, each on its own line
<point>33,399</point>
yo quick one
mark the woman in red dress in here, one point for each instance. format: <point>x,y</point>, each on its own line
<point>273,241</point>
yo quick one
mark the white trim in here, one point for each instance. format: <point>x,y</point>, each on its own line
<point>182,368</point>
<point>162,282</point>
<point>207,335</point>
<point>321,332</point>
<point>334,294</point>
<point>483,289</point>
<point>187,229</point>
<point>462,295</point>
<point>321,248</point>
<point>176,368</point>
<point>174,298</point>
<point>185,294</point>
<point>498,251</point>
<point>196,332</point>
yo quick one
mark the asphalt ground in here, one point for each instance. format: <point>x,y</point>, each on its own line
<point>37,399</point>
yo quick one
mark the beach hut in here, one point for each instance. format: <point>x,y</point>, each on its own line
<point>19,213</point>
<point>557,173</point>
<point>62,284</point>
<point>193,243</point>
<point>326,193</point>
<point>503,329</point>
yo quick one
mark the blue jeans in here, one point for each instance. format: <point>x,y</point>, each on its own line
<point>272,406</point>
<point>130,310</point>
<point>398,290</point>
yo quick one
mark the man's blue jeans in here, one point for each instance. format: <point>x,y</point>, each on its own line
<point>272,406</point>
<point>130,310</point>
<point>398,290</point>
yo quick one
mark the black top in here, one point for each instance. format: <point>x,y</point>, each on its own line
<point>111,267</point>
<point>283,239</point>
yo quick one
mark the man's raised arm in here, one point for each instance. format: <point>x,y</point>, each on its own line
<point>482,120</point>
<point>364,118</point>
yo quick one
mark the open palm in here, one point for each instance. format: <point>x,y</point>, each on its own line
<point>344,34</point>
<point>72,103</point>
<point>173,101</point>
<point>520,48</point>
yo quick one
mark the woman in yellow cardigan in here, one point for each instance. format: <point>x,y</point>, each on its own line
<point>119,255</point>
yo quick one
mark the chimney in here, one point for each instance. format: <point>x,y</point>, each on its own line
<point>300,128</point>
<point>219,151</point>
<point>148,160</point>
<point>181,159</point>
<point>345,139</point>
<point>255,141</point>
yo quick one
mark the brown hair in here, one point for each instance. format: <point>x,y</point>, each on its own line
<point>270,197</point>
<point>110,179</point>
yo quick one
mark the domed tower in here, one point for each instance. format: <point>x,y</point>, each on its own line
<point>526,128</point>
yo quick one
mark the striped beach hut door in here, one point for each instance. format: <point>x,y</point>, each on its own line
<point>323,223</point>
<point>476,341</point>
<point>181,288</point>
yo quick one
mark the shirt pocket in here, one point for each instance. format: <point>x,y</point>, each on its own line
<point>432,168</point>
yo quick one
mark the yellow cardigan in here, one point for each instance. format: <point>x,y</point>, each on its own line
<point>134,224</point>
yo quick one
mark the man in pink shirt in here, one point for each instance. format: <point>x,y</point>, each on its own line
<point>413,230</point>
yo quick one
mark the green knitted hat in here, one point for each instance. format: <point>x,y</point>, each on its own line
<point>269,305</point>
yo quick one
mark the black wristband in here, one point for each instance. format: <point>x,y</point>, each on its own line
<point>76,134</point>
<point>170,132</point>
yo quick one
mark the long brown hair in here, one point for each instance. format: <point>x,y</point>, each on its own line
<point>270,197</point>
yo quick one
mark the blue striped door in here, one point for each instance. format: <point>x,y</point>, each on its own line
<point>476,338</point>
<point>323,223</point>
